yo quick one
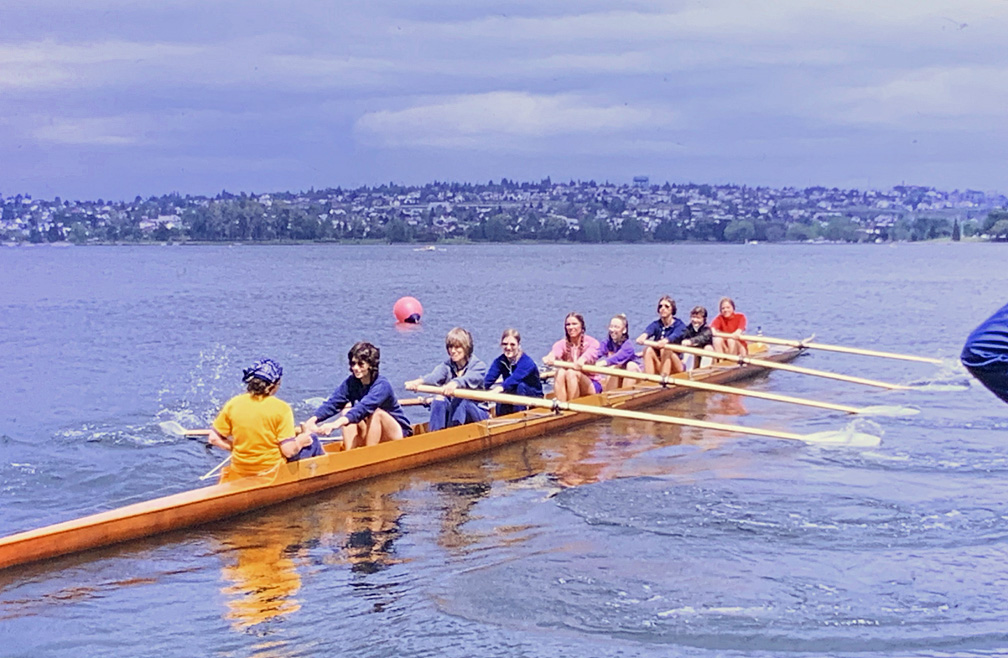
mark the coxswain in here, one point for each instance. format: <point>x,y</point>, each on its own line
<point>258,428</point>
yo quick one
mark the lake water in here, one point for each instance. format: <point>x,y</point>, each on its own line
<point>616,539</point>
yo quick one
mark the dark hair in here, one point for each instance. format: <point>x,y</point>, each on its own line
<point>579,318</point>
<point>699,310</point>
<point>259,388</point>
<point>666,298</point>
<point>626,326</point>
<point>366,352</point>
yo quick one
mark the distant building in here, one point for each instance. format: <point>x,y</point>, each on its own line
<point>640,181</point>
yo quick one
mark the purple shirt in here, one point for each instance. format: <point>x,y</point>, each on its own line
<point>614,356</point>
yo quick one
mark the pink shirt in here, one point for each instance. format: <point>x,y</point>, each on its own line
<point>566,352</point>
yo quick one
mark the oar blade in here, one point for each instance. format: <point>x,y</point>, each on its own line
<point>172,428</point>
<point>888,411</point>
<point>848,437</point>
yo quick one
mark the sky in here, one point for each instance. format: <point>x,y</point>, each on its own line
<point>117,98</point>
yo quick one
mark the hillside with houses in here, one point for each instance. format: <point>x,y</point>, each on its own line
<point>577,211</point>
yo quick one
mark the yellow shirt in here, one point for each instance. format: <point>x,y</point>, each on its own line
<point>258,425</point>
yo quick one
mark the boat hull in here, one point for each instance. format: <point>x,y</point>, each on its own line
<point>335,468</point>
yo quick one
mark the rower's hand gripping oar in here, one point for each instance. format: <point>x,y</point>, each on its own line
<point>809,344</point>
<point>823,438</point>
<point>764,363</point>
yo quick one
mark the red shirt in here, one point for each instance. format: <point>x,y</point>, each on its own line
<point>729,325</point>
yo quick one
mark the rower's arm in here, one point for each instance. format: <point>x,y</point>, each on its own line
<point>291,447</point>
<point>215,439</point>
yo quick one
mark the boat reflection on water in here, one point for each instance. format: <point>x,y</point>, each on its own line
<point>265,560</point>
<point>260,572</point>
<point>357,527</point>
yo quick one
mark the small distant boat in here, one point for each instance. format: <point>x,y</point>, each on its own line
<point>429,247</point>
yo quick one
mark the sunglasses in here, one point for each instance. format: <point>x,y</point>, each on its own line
<point>665,305</point>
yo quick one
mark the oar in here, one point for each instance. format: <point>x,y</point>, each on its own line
<point>215,469</point>
<point>743,360</point>
<point>174,428</point>
<point>830,348</point>
<point>707,386</point>
<point>847,438</point>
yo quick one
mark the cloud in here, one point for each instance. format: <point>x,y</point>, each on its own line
<point>483,120</point>
<point>93,131</point>
<point>926,97</point>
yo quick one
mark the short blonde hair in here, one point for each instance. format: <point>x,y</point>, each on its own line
<point>459,337</point>
<point>726,299</point>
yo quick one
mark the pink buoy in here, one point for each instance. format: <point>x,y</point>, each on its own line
<point>408,309</point>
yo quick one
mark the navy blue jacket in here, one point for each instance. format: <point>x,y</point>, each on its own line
<point>674,333</point>
<point>985,353</point>
<point>525,372</point>
<point>365,400</point>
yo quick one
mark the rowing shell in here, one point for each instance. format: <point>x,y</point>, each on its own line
<point>301,478</point>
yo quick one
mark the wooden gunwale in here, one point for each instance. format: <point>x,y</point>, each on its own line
<point>292,480</point>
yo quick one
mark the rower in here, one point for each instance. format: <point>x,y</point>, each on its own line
<point>698,333</point>
<point>617,351</point>
<point>375,414</point>
<point>667,329</point>
<point>577,347</point>
<point>258,428</point>
<point>729,321</point>
<point>460,370</point>
<point>518,371</point>
<point>985,353</point>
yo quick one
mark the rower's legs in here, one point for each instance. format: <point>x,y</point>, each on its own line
<point>730,346</point>
<point>584,385</point>
<point>670,363</point>
<point>612,382</point>
<point>439,413</point>
<point>466,411</point>
<point>382,427</point>
<point>560,384</point>
<point>353,434</point>
<point>652,364</point>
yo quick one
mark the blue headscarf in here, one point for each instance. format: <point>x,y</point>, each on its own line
<point>267,370</point>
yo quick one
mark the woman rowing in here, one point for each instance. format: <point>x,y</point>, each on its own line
<point>374,414</point>
<point>729,321</point>
<point>460,370</point>
<point>519,372</point>
<point>577,347</point>
<point>666,330</point>
<point>698,333</point>
<point>617,351</point>
<point>258,428</point>
<point>985,353</point>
